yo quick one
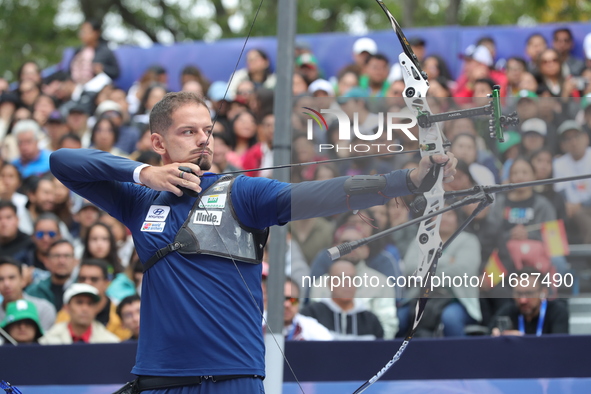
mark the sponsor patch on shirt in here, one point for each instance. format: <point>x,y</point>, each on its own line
<point>153,227</point>
<point>213,201</point>
<point>208,217</point>
<point>220,186</point>
<point>157,213</point>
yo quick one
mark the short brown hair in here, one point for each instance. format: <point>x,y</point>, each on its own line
<point>161,114</point>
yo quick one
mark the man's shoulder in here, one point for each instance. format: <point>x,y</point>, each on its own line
<point>100,334</point>
<point>40,289</point>
<point>40,303</point>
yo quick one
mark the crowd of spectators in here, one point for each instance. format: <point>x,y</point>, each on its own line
<point>69,272</point>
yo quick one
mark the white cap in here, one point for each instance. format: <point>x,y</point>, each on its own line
<point>481,54</point>
<point>587,46</point>
<point>81,288</point>
<point>107,106</point>
<point>321,84</point>
<point>365,44</point>
<point>536,125</point>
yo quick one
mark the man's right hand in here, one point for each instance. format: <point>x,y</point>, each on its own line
<point>166,178</point>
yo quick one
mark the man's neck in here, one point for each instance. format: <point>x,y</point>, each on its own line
<point>346,304</point>
<point>77,329</point>
<point>58,281</point>
<point>5,240</point>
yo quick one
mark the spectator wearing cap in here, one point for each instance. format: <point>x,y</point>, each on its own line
<point>56,128</point>
<point>478,61</point>
<point>324,92</point>
<point>12,283</point>
<point>576,161</point>
<point>61,264</point>
<point>258,70</point>
<point>563,42</point>
<point>80,302</point>
<point>128,311</point>
<point>94,272</point>
<point>307,64</point>
<point>22,322</point>
<point>362,48</point>
<point>355,102</point>
<point>533,135</point>
<point>129,133</point>
<point>12,240</point>
<point>77,121</point>
<point>31,160</point>
<point>375,76</point>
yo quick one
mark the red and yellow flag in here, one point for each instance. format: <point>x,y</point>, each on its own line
<point>495,267</point>
<point>554,236</point>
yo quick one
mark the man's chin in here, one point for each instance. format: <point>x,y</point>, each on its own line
<point>204,162</point>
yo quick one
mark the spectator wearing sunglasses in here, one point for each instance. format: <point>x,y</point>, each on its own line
<point>298,327</point>
<point>45,231</point>
<point>61,264</point>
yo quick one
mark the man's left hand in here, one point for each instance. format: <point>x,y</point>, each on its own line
<point>425,165</point>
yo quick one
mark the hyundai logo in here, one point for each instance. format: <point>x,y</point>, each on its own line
<point>158,211</point>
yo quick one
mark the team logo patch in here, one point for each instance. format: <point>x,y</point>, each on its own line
<point>153,227</point>
<point>209,218</point>
<point>213,201</point>
<point>157,213</point>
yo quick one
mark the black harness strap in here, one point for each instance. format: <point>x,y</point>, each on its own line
<point>161,253</point>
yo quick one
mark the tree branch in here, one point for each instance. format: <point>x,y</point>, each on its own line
<point>131,19</point>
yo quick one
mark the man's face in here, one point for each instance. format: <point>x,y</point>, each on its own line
<point>186,140</point>
<point>562,43</point>
<point>93,276</point>
<point>515,71</point>
<point>27,146</point>
<point>574,142</point>
<point>535,46</point>
<point>377,70</point>
<point>22,331</point>
<point>8,224</point>
<point>77,122</point>
<point>130,317</point>
<point>291,304</point>
<point>528,298</point>
<point>46,232</point>
<point>361,253</point>
<point>82,310</point>
<point>61,261</point>
<point>44,197</point>
<point>344,273</point>
<point>11,283</point>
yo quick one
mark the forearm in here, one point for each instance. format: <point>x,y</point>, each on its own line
<point>324,198</point>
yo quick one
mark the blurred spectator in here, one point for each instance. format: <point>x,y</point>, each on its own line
<point>576,161</point>
<point>220,158</point>
<point>242,136</point>
<point>298,327</point>
<point>32,160</point>
<point>300,84</point>
<point>375,78</point>
<point>100,243</point>
<point>61,264</point>
<point>94,57</point>
<point>11,288</point>
<point>258,70</point>
<point>398,214</point>
<point>346,80</point>
<point>491,45</point>
<point>527,105</point>
<point>43,106</point>
<point>22,322</point>
<point>516,67</point>
<point>509,150</point>
<point>454,306</point>
<point>362,49</point>
<point>12,240</point>
<point>128,311</point>
<point>563,43</point>
<point>28,92</point>
<point>192,73</point>
<point>436,67</point>
<point>345,316</point>
<point>312,235</point>
<point>85,216</point>
<point>10,182</point>
<point>536,44</point>
<point>321,88</point>
<point>137,91</point>
<point>246,90</point>
<point>56,128</point>
<point>418,46</point>
<point>464,147</point>
<point>29,71</point>
<point>261,153</point>
<point>533,136</point>
<point>122,236</point>
<point>531,313</point>
<point>380,300</point>
<point>77,121</point>
<point>70,141</point>
<point>528,82</point>
<point>80,302</point>
<point>477,65</point>
<point>354,104</point>
<point>301,47</point>
<point>483,87</point>
<point>541,161</point>
<point>105,135</point>
<point>152,95</point>
<point>307,65</point>
<point>41,195</point>
<point>129,134</point>
<point>587,50</point>
<point>550,75</point>
<point>93,272</point>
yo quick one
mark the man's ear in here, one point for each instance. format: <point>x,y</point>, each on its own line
<point>158,143</point>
